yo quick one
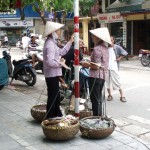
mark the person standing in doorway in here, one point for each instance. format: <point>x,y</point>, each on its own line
<point>116,53</point>
<point>52,63</point>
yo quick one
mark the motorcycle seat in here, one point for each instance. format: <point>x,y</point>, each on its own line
<point>19,61</point>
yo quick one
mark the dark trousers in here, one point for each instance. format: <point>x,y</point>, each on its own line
<point>53,102</point>
<point>96,86</point>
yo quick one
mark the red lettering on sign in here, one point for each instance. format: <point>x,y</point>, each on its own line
<point>103,18</point>
<point>116,17</point>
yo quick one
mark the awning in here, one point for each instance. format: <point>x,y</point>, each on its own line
<point>132,5</point>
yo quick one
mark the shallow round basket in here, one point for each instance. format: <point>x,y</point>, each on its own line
<point>38,112</point>
<point>60,133</point>
<point>97,133</point>
<point>85,113</point>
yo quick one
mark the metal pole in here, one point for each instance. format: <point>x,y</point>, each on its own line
<point>76,56</point>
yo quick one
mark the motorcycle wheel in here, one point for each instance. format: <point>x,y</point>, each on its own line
<point>1,86</point>
<point>145,60</point>
<point>32,80</point>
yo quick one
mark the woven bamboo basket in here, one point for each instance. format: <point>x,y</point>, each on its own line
<point>85,113</point>
<point>97,133</point>
<point>38,112</point>
<point>60,133</point>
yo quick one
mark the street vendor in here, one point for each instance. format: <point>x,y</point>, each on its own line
<point>98,68</point>
<point>52,63</point>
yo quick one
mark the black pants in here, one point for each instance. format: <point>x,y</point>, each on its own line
<point>53,102</point>
<point>96,86</point>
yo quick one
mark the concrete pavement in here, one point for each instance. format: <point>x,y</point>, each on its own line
<point>19,131</point>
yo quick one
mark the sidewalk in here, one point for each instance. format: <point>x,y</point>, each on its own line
<point>19,131</point>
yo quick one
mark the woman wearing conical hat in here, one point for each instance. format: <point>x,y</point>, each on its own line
<point>52,64</point>
<point>98,67</point>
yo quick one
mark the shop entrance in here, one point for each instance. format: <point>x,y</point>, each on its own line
<point>13,34</point>
<point>141,36</point>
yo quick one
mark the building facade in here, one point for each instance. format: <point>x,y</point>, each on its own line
<point>133,27</point>
<point>11,24</point>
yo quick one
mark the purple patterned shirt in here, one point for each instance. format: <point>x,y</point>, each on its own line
<point>51,57</point>
<point>99,55</point>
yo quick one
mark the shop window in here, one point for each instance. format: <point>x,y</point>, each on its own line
<point>117,30</point>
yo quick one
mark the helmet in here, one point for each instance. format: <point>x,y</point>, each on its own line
<point>33,35</point>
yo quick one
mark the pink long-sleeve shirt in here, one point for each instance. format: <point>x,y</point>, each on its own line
<point>51,57</point>
<point>99,55</point>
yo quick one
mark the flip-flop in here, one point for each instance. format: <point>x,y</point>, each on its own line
<point>110,98</point>
<point>123,99</point>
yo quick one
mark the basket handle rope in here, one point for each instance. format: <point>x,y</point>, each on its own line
<point>39,98</point>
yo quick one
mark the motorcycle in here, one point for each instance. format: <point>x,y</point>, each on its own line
<point>23,70</point>
<point>145,57</point>
<point>66,92</point>
<point>5,44</point>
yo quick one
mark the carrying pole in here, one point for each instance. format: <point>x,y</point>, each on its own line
<point>76,56</point>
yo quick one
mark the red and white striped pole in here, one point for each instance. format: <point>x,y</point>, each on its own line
<point>76,56</point>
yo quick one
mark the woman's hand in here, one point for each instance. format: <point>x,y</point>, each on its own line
<point>72,38</point>
<point>85,64</point>
<point>62,60</point>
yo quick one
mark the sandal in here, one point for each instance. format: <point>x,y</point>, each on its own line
<point>110,98</point>
<point>123,99</point>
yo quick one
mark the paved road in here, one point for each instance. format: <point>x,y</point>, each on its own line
<point>132,117</point>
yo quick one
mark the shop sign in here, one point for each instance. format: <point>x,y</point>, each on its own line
<point>15,23</point>
<point>110,17</point>
<point>124,33</point>
<point>28,11</point>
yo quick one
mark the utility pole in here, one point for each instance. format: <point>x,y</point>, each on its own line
<point>76,56</point>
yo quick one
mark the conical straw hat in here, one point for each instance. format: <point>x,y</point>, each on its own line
<point>50,27</point>
<point>102,33</point>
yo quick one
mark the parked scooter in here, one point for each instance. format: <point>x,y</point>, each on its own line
<point>23,70</point>
<point>3,73</point>
<point>145,57</point>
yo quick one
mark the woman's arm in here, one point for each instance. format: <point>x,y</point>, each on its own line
<point>66,48</point>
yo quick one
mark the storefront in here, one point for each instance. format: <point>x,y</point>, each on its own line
<point>13,27</point>
<point>136,22</point>
<point>138,31</point>
<point>116,24</point>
